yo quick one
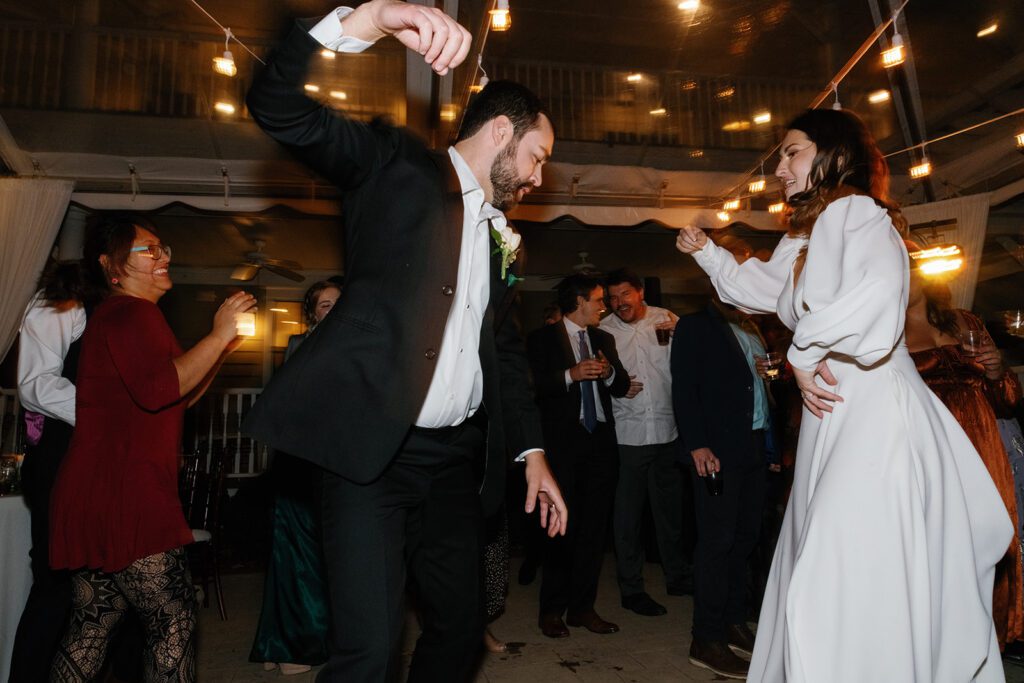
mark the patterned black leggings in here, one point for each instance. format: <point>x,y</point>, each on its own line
<point>159,588</point>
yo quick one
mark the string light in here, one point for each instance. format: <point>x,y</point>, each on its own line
<point>484,80</point>
<point>634,78</point>
<point>762,117</point>
<point>943,258</point>
<point>836,105</point>
<point>757,186</point>
<point>736,126</point>
<point>339,94</point>
<point>1020,141</point>
<point>660,111</point>
<point>311,87</point>
<point>227,32</point>
<point>696,153</point>
<point>448,112</point>
<point>224,108</point>
<point>922,169</point>
<point>225,64</point>
<point>501,19</point>
<point>731,204</point>
<point>723,216</point>
<point>988,30</point>
<point>879,96</point>
<point>328,54</point>
<point>689,5</point>
<point>777,207</point>
<point>726,92</point>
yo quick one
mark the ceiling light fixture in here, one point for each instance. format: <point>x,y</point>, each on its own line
<point>501,18</point>
<point>225,64</point>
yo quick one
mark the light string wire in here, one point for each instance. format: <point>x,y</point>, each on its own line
<point>478,67</point>
<point>227,32</point>
<point>823,95</point>
<point>957,132</point>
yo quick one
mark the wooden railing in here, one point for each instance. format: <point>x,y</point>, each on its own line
<point>216,422</point>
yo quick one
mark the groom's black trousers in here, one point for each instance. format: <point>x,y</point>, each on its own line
<point>422,516</point>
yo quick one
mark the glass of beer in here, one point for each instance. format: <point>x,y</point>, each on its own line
<point>769,365</point>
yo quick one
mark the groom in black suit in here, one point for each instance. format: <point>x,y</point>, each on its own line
<point>418,378</point>
<point>576,371</point>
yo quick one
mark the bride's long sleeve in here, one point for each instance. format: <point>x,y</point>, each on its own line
<point>753,286</point>
<point>854,286</point>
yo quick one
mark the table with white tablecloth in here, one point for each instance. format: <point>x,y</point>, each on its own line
<point>15,572</point>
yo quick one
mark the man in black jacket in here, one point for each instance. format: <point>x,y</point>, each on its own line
<point>576,371</point>
<point>395,390</point>
<point>721,410</point>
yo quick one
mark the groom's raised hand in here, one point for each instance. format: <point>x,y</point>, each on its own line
<point>443,43</point>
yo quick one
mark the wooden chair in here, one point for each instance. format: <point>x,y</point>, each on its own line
<point>202,492</point>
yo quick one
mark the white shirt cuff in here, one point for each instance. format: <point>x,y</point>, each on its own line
<point>568,379</point>
<point>329,33</point>
<point>522,456</point>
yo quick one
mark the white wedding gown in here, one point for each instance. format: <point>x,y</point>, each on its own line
<point>884,567</point>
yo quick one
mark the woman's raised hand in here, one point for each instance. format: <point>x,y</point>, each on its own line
<point>691,239</point>
<point>224,326</point>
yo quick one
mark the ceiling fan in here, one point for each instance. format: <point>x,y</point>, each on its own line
<point>255,260</point>
<point>584,267</point>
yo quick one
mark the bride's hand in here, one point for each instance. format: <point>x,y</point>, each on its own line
<point>691,239</point>
<point>816,399</point>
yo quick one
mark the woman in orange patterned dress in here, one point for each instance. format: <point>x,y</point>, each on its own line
<point>977,389</point>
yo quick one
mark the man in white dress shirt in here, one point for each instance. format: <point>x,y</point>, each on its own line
<point>646,431</point>
<point>419,373</point>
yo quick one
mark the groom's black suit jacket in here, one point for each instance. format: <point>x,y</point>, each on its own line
<point>348,397</point>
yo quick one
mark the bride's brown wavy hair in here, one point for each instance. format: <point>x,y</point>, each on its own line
<point>847,162</point>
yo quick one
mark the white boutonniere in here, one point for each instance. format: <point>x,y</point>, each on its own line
<point>507,243</point>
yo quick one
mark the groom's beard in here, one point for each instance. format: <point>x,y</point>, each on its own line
<point>505,180</point>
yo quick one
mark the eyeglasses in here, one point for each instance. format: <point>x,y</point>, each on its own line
<point>153,251</point>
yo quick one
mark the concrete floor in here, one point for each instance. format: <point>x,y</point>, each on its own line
<point>646,650</point>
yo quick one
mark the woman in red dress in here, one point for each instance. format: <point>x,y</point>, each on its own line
<point>977,389</point>
<point>115,515</point>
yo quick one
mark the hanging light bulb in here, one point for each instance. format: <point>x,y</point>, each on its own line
<point>879,96</point>
<point>762,117</point>
<point>922,169</point>
<point>777,207</point>
<point>942,258</point>
<point>731,204</point>
<point>225,64</point>
<point>1020,141</point>
<point>224,107</point>
<point>477,87</point>
<point>896,53</point>
<point>988,30</point>
<point>756,186</point>
<point>501,19</point>
<point>723,216</point>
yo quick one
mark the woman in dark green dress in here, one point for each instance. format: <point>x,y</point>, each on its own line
<point>292,631</point>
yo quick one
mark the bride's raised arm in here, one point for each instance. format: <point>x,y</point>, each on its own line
<point>754,285</point>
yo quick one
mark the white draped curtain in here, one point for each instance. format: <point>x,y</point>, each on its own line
<point>31,210</point>
<point>971,216</point>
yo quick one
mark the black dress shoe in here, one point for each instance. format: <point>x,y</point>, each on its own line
<point>552,626</point>
<point>592,622</point>
<point>740,638</point>
<point>643,604</point>
<point>718,658</point>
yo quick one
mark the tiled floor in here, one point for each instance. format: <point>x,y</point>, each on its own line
<point>646,650</point>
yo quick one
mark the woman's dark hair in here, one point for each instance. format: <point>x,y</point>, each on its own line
<point>503,98</point>
<point>573,286</point>
<point>847,161</point>
<point>65,283</point>
<point>939,305</point>
<point>309,301</point>
<point>110,235</point>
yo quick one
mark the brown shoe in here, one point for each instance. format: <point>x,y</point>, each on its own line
<point>718,658</point>
<point>740,639</point>
<point>552,626</point>
<point>592,622</point>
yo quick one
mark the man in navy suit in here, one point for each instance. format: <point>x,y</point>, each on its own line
<point>576,371</point>
<point>417,379</point>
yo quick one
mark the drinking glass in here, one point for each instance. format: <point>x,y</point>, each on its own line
<point>1014,321</point>
<point>971,341</point>
<point>769,365</point>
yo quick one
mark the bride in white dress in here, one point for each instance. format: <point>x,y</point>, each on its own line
<point>884,567</point>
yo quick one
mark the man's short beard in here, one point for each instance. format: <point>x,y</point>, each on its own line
<point>505,180</point>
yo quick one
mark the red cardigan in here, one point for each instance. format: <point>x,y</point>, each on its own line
<point>115,500</point>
